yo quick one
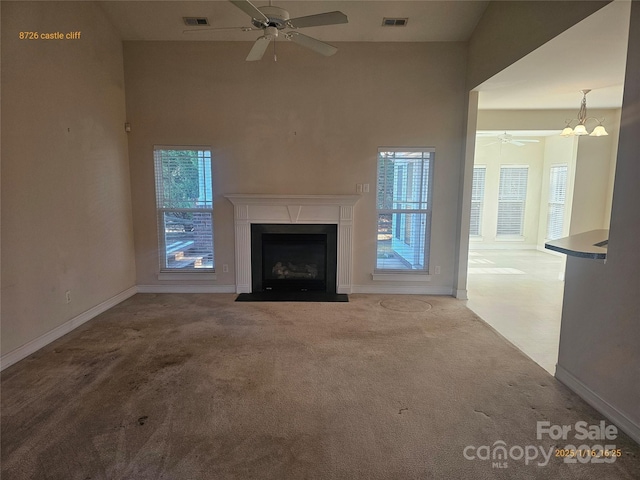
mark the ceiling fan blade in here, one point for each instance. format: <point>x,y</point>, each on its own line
<point>212,29</point>
<point>250,9</point>
<point>313,44</point>
<point>517,143</point>
<point>328,18</point>
<point>526,140</point>
<point>258,49</point>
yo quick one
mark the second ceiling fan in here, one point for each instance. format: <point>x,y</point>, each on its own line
<point>507,138</point>
<point>274,20</point>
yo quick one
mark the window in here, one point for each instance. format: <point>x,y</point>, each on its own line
<point>477,200</point>
<point>184,199</point>
<point>404,208</point>
<point>512,194</point>
<point>557,197</point>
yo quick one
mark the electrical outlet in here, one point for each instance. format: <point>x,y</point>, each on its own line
<point>365,188</point>
<point>225,268</point>
<point>437,270</point>
<point>67,296</point>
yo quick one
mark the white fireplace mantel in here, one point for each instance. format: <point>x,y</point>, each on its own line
<point>311,209</point>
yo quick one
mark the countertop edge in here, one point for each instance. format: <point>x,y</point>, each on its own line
<point>583,245</point>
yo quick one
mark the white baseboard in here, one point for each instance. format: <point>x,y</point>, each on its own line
<point>504,245</point>
<point>617,417</point>
<point>34,345</point>
<point>550,252</point>
<point>402,289</point>
<point>186,289</point>
<point>400,277</point>
<point>461,294</point>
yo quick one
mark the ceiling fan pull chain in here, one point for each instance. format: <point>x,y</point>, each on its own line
<point>275,57</point>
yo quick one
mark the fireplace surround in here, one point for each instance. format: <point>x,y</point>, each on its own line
<point>251,209</point>
<point>293,257</point>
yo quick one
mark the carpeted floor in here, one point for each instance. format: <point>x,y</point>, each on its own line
<point>179,386</point>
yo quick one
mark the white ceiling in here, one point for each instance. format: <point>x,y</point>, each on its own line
<point>590,55</point>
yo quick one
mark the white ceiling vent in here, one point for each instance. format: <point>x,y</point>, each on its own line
<point>394,22</point>
<point>195,21</point>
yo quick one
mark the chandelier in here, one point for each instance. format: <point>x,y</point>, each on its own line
<point>581,127</point>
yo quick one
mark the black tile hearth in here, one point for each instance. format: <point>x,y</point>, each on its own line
<point>292,297</point>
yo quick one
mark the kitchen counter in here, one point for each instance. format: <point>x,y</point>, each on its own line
<point>592,244</point>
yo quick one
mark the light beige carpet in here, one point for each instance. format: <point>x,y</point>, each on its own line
<point>179,386</point>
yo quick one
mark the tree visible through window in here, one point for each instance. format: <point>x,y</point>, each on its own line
<point>184,200</point>
<point>404,208</point>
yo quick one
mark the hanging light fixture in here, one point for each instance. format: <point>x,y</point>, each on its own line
<point>581,128</point>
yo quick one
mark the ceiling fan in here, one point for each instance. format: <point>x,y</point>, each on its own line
<point>507,138</point>
<point>274,20</point>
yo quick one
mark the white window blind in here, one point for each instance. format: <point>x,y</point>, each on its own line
<point>184,199</point>
<point>557,198</point>
<point>512,194</point>
<point>477,200</point>
<point>404,208</point>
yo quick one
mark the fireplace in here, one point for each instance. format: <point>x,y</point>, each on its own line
<point>293,258</point>
<point>290,210</point>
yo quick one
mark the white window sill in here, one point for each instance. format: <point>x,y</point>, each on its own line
<point>401,277</point>
<point>476,238</point>
<point>510,239</point>
<point>191,275</point>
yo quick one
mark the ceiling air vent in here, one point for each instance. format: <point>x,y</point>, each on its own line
<point>394,22</point>
<point>195,21</point>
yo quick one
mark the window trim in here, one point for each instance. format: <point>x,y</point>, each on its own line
<point>513,236</point>
<point>406,274</point>
<point>188,275</point>
<point>165,273</point>
<point>480,202</point>
<point>565,167</point>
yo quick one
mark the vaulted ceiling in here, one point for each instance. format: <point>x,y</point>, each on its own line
<point>429,21</point>
<point>590,55</point>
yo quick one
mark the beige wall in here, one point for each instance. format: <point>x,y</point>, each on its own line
<point>508,31</point>
<point>557,151</point>
<point>599,354</point>
<point>66,211</point>
<point>304,125</point>
<point>591,192</point>
<point>592,166</point>
<point>491,153</point>
<point>589,162</point>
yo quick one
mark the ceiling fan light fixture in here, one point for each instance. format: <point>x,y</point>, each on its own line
<point>271,20</point>
<point>271,32</point>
